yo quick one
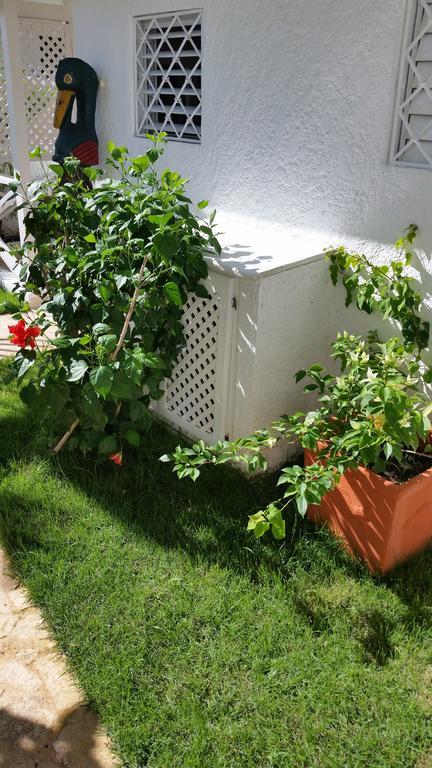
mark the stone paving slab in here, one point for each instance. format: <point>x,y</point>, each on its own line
<point>44,722</point>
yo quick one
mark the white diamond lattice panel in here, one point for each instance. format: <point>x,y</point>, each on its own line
<point>43,44</point>
<point>412,135</point>
<point>168,75</point>
<point>190,395</point>
<point>5,151</point>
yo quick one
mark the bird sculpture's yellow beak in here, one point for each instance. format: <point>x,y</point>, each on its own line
<point>64,98</point>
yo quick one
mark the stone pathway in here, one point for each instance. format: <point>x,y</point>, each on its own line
<point>43,721</point>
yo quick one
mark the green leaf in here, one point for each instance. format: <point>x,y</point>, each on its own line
<point>90,238</point>
<point>108,341</point>
<point>139,412</point>
<point>91,409</point>
<point>274,516</point>
<point>57,169</point>
<point>203,204</point>
<point>202,291</point>
<point>102,379</point>
<point>166,245</point>
<point>153,361</point>
<point>25,360</point>
<point>161,219</point>
<point>174,294</point>
<point>77,370</point>
<point>28,394</point>
<point>100,328</point>
<point>62,342</point>
<point>107,445</point>
<point>133,437</point>
<point>258,524</point>
<point>123,388</point>
<point>302,505</point>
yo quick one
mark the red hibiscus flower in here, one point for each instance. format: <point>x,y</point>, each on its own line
<point>117,458</point>
<point>24,336</point>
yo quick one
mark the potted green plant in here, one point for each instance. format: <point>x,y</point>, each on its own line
<point>367,471</point>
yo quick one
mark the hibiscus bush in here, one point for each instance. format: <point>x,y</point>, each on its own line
<point>112,261</point>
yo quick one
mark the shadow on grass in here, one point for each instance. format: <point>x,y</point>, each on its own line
<point>207,521</point>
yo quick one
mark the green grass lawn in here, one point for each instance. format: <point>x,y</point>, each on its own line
<point>199,647</point>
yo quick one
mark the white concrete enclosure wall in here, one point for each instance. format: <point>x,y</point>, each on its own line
<point>297,113</point>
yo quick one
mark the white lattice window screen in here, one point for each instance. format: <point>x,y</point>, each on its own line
<point>412,136</point>
<point>168,75</point>
<point>190,395</point>
<point>5,150</point>
<point>43,44</point>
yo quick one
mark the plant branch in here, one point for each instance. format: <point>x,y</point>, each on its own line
<point>62,442</point>
<point>130,312</point>
<point>116,352</point>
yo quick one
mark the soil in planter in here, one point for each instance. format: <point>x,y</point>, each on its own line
<point>413,465</point>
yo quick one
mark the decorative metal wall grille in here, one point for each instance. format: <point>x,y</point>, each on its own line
<point>412,139</point>
<point>168,75</point>
<point>43,44</point>
<point>190,395</point>
<point>5,151</point>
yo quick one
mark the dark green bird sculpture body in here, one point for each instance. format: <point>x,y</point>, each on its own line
<point>76,81</point>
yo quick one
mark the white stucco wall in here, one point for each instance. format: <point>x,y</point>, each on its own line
<point>298,100</point>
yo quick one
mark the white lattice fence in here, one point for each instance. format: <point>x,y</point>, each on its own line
<point>43,44</point>
<point>196,397</point>
<point>5,151</point>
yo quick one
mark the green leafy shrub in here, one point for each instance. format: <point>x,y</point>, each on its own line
<point>374,414</point>
<point>113,264</point>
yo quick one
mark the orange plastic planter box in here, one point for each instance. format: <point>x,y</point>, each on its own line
<point>382,522</point>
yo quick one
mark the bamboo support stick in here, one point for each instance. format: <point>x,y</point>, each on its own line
<point>62,442</point>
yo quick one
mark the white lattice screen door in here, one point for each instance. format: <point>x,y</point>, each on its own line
<point>33,39</point>
<point>43,43</point>
<point>196,399</point>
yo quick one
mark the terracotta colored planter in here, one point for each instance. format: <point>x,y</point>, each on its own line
<point>382,522</point>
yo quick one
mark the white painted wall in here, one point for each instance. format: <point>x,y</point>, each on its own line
<point>298,99</point>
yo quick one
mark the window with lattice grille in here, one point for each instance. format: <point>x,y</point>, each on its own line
<point>412,135</point>
<point>168,75</point>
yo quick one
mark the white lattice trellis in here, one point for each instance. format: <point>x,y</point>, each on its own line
<point>5,150</point>
<point>43,44</point>
<point>412,135</point>
<point>168,75</point>
<point>196,397</point>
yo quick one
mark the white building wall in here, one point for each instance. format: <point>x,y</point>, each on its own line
<point>298,99</point>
